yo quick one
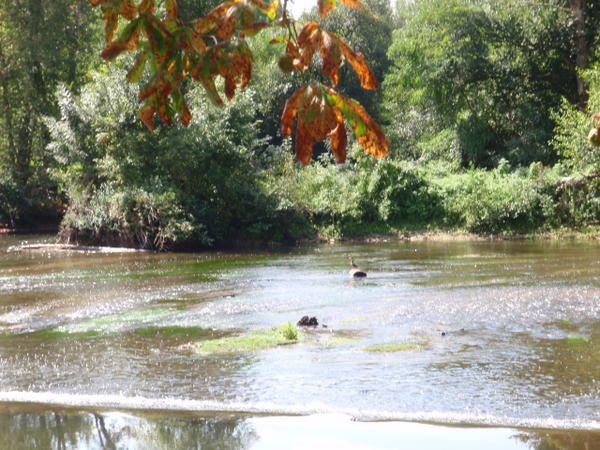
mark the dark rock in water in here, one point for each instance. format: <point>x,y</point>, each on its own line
<point>308,322</point>
<point>443,333</point>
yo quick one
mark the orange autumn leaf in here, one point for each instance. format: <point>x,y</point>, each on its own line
<point>235,16</point>
<point>127,41</point>
<point>185,115</point>
<point>339,140</point>
<point>268,8</point>
<point>332,58</point>
<point>359,64</point>
<point>367,131</point>
<point>128,9</point>
<point>112,20</point>
<point>290,110</point>
<point>320,112</point>
<point>332,50</point>
<point>304,142</point>
<point>147,116</point>
<point>172,9</point>
<point>326,6</point>
<point>352,4</point>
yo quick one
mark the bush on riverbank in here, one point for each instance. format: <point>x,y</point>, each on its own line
<point>380,196</point>
<point>200,185</point>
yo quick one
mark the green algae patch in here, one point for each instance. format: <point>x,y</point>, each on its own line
<point>48,333</point>
<point>257,340</point>
<point>53,333</point>
<point>200,270</point>
<point>567,325</point>
<point>115,322</point>
<point>393,347</point>
<point>340,341</point>
<point>575,340</point>
<point>174,331</point>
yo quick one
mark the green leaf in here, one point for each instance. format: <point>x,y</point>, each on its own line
<point>135,73</point>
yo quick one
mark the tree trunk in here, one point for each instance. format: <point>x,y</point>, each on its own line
<point>7,110</point>
<point>582,48</point>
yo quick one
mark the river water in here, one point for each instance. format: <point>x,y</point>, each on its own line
<point>99,349</point>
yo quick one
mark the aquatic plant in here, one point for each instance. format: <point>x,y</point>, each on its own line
<point>289,332</point>
<point>257,340</point>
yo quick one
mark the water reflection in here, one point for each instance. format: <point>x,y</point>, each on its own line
<point>89,430</point>
<point>560,440</point>
<point>25,428</point>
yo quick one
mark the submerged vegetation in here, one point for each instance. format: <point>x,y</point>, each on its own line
<point>393,347</point>
<point>486,106</point>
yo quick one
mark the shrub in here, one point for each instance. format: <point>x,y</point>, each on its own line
<point>202,184</point>
<point>494,201</point>
<point>396,192</point>
<point>130,217</point>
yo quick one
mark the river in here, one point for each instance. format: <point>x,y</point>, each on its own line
<point>498,342</point>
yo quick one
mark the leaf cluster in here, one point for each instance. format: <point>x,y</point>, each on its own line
<point>214,46</point>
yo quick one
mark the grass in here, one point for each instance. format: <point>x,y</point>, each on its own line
<point>289,332</point>
<point>254,341</point>
<point>392,347</point>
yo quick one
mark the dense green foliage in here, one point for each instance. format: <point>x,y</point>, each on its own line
<point>200,184</point>
<point>41,44</point>
<point>486,77</point>
<point>480,101</point>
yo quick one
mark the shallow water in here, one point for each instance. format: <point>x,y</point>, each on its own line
<point>507,333</point>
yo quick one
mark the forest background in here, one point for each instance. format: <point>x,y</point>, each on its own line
<point>486,104</point>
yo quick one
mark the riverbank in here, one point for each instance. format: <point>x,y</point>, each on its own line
<point>559,234</point>
<point>45,229</point>
<point>570,234</point>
